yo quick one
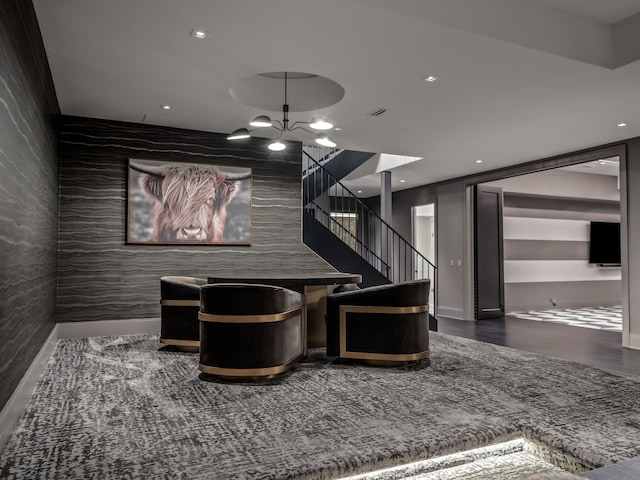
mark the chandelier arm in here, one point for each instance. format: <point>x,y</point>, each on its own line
<point>299,122</point>
<point>302,128</point>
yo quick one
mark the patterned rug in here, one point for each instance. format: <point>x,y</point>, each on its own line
<point>121,407</point>
<point>599,318</point>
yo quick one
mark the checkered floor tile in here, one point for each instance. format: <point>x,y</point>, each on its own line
<point>601,318</point>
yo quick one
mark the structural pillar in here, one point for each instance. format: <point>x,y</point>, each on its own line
<point>385,197</point>
<point>386,213</point>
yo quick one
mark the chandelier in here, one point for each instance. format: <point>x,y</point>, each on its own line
<point>284,126</point>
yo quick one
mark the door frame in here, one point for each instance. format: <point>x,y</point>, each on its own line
<point>618,149</point>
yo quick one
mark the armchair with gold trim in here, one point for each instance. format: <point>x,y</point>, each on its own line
<point>180,305</point>
<point>385,325</point>
<point>250,331</point>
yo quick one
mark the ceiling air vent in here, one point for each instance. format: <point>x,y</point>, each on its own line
<point>377,112</point>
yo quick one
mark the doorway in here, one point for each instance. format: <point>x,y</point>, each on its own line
<point>548,217</point>
<point>424,241</point>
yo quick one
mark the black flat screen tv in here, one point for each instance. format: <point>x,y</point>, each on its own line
<point>604,243</point>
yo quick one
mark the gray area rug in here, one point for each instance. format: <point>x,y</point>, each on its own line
<point>120,407</point>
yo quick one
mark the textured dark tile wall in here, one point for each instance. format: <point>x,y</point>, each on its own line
<point>101,277</point>
<point>28,193</point>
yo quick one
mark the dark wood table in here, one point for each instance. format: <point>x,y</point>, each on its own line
<point>314,286</point>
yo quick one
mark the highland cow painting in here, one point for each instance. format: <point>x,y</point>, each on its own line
<point>188,203</point>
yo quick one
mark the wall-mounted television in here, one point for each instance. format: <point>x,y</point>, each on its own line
<point>604,243</point>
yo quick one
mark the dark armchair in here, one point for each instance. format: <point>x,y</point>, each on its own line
<point>180,304</point>
<point>250,331</point>
<point>384,325</point>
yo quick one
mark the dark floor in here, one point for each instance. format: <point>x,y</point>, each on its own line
<point>597,348</point>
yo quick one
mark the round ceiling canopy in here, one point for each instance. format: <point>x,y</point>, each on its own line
<point>305,91</point>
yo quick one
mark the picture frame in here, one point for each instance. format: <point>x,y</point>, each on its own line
<point>173,202</point>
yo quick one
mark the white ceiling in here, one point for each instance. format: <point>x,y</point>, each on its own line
<point>605,166</point>
<point>600,10</point>
<point>518,80</point>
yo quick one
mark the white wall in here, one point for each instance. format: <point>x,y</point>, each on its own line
<point>450,215</point>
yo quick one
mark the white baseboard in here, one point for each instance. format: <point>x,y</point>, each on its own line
<point>18,400</point>
<point>595,303</point>
<point>451,312</point>
<point>634,342</point>
<point>16,403</point>
<point>105,328</point>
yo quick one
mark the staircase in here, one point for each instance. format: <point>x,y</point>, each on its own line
<point>331,165</point>
<point>344,231</point>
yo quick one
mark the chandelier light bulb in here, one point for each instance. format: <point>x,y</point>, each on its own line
<point>320,124</point>
<point>276,146</point>
<point>239,134</point>
<point>261,121</point>
<point>325,141</point>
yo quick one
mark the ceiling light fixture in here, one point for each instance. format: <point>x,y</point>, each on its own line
<point>263,121</point>
<point>276,146</point>
<point>622,124</point>
<point>478,161</point>
<point>325,141</point>
<point>430,79</point>
<point>606,161</point>
<point>166,107</point>
<point>239,134</point>
<point>195,33</point>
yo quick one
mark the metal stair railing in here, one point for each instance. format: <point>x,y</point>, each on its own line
<point>321,155</point>
<point>370,236</point>
<point>347,237</point>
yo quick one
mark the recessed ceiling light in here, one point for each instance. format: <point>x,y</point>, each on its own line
<point>337,129</point>
<point>166,107</point>
<point>402,181</point>
<point>478,161</point>
<point>622,124</point>
<point>430,79</point>
<point>195,33</point>
<point>359,191</point>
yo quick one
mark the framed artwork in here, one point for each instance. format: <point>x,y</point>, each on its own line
<point>188,203</point>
